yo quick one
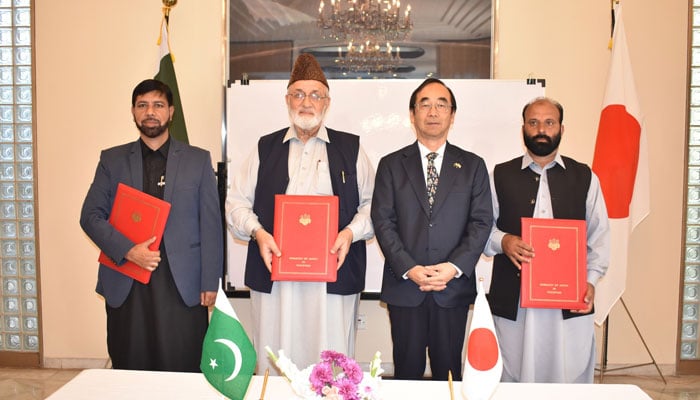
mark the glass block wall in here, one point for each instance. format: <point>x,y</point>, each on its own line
<point>691,271</point>
<point>19,319</point>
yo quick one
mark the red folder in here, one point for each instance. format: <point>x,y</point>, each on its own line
<point>556,275</point>
<point>139,217</point>
<point>305,229</point>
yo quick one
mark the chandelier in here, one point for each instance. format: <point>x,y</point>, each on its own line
<point>367,28</point>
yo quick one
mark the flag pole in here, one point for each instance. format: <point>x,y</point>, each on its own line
<point>619,102</point>
<point>604,349</point>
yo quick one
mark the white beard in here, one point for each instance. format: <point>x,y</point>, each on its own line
<point>306,123</point>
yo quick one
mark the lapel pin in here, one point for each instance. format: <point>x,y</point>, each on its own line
<point>457,165</point>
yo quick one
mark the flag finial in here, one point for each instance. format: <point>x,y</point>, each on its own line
<point>167,5</point>
<point>613,3</point>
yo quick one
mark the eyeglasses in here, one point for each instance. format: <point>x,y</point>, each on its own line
<point>299,96</point>
<point>440,106</point>
<point>547,123</point>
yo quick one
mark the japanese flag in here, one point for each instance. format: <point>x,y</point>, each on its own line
<point>483,364</point>
<point>621,163</point>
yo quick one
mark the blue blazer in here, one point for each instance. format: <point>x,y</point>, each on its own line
<point>193,236</point>
<point>409,235</point>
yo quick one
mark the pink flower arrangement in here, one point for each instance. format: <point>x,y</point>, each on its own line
<point>334,377</point>
<point>336,371</point>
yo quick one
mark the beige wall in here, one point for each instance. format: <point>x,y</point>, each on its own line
<point>90,54</point>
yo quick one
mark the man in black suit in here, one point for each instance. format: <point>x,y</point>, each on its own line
<point>160,325</point>
<point>432,216</point>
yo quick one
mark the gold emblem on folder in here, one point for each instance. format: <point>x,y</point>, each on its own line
<point>136,217</point>
<point>554,244</point>
<point>305,219</point>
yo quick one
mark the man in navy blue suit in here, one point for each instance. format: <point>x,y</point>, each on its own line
<point>159,325</point>
<point>432,216</point>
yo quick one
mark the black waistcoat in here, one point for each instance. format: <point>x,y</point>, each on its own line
<point>516,189</point>
<point>273,178</point>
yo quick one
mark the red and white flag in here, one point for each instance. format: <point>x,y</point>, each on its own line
<point>483,364</point>
<point>621,162</point>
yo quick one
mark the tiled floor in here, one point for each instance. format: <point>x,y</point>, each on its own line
<point>31,384</point>
<point>676,388</point>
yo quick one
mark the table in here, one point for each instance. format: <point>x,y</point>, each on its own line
<point>113,384</point>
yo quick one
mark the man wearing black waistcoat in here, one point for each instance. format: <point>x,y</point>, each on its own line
<point>307,158</point>
<point>537,344</point>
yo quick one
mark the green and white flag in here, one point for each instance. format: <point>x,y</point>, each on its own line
<point>166,74</point>
<point>228,356</point>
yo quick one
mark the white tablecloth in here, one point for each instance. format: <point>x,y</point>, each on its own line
<point>110,384</point>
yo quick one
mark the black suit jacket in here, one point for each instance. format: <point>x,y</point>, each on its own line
<point>409,235</point>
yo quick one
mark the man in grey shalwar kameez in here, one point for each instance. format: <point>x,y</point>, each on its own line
<point>544,345</point>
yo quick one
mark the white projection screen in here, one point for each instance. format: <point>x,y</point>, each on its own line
<point>488,122</point>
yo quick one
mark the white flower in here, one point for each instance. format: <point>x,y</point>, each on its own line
<point>302,386</point>
<point>375,366</point>
<point>285,364</point>
<point>369,387</point>
<point>299,380</point>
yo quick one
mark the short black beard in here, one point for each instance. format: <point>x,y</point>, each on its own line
<point>542,149</point>
<point>152,132</point>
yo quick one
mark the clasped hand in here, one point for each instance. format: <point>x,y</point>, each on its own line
<point>432,277</point>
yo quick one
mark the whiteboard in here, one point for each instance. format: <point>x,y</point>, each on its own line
<point>487,122</point>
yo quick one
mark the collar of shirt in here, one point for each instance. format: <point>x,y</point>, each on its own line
<point>529,162</point>
<point>292,134</point>
<point>424,158</point>
<point>163,150</point>
<point>424,151</point>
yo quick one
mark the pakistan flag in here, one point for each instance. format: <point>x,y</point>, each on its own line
<point>166,74</point>
<point>228,356</point>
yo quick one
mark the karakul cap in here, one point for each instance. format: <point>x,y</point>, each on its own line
<point>307,68</point>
